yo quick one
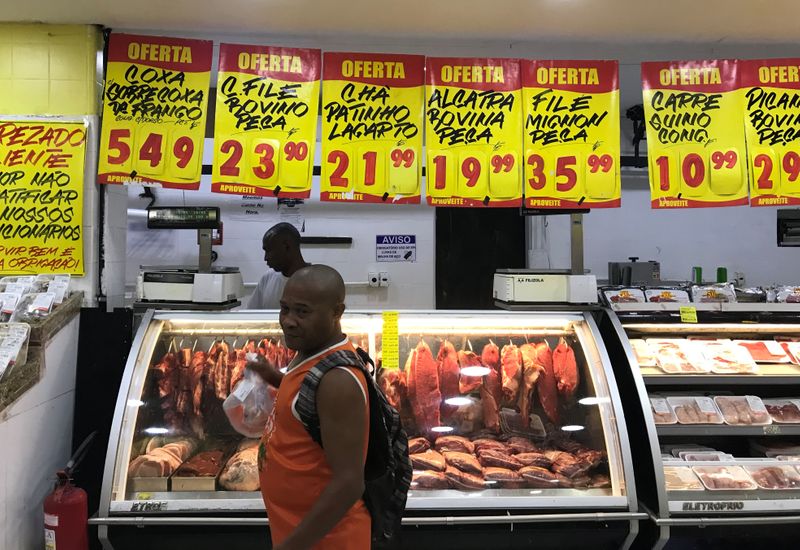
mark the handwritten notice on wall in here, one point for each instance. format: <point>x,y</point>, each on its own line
<point>154,111</point>
<point>695,133</point>
<point>41,197</point>
<point>372,119</point>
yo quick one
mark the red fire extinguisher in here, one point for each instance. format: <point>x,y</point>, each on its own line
<point>66,512</point>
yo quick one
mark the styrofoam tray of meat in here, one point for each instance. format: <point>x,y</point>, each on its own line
<point>747,410</point>
<point>725,478</point>
<point>783,411</point>
<point>695,410</point>
<point>775,477</point>
<point>678,356</point>
<point>662,413</point>
<point>678,478</point>
<point>625,295</point>
<point>764,351</point>
<point>792,349</point>
<point>725,357</point>
<point>643,352</point>
<point>715,456</point>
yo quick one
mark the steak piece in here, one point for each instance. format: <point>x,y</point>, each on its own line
<point>237,371</point>
<point>418,445</point>
<point>534,459</point>
<point>503,477</point>
<point>491,396</point>
<point>539,478</point>
<point>591,458</point>
<point>600,481</point>
<point>468,383</point>
<point>463,480</point>
<point>429,460</point>
<point>485,444</point>
<point>490,356</point>
<point>521,445</point>
<point>547,387</point>
<point>512,373</point>
<point>566,464</point>
<point>464,462</point>
<point>531,370</point>
<point>392,383</point>
<point>241,471</point>
<point>447,360</point>
<point>205,464</point>
<point>429,479</point>
<point>493,458</point>
<point>454,443</point>
<point>566,369</point>
<point>423,387</point>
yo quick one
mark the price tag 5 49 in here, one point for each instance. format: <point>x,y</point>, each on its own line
<point>151,153</point>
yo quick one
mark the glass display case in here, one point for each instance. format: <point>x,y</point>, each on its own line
<point>505,412</point>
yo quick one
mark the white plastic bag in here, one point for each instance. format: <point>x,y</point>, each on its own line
<point>249,405</point>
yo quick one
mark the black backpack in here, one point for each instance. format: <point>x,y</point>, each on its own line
<point>387,470</point>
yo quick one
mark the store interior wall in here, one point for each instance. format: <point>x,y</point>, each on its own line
<point>741,239</point>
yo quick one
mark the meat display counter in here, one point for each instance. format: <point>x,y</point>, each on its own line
<point>514,421</point>
<point>721,403</point>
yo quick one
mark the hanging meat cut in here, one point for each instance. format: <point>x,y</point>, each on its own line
<point>531,370</point>
<point>392,383</point>
<point>468,383</point>
<point>447,367</point>
<point>512,373</point>
<point>490,356</point>
<point>547,387</point>
<point>566,369</point>
<point>491,397</point>
<point>423,388</point>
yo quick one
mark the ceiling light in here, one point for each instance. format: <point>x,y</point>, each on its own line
<point>475,371</point>
<point>458,401</point>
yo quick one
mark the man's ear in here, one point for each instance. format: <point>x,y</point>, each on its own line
<point>338,310</point>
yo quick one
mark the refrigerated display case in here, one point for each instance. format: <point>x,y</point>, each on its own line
<point>720,400</point>
<point>514,422</point>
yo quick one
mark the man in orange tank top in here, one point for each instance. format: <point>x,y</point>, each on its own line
<point>312,493</point>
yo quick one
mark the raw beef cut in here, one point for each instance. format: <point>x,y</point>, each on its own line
<point>184,399</point>
<point>504,478</point>
<point>547,387</point>
<point>489,444</point>
<point>418,445</point>
<point>423,388</point>
<point>531,370</point>
<point>429,460</point>
<point>491,395</point>
<point>488,457</point>
<point>393,385</point>
<point>539,478</point>
<point>521,445</point>
<point>463,480</point>
<point>566,369</point>
<point>464,462</point>
<point>468,383</point>
<point>241,471</point>
<point>512,373</point>
<point>454,443</point>
<point>428,479</point>
<point>490,356</point>
<point>534,459</point>
<point>448,376</point>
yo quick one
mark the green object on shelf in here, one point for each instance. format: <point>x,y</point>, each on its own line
<point>697,275</point>
<point>722,274</point>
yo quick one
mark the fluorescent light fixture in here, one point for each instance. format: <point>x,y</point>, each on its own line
<point>535,492</point>
<point>442,429</point>
<point>571,428</point>
<point>593,400</point>
<point>156,431</point>
<point>475,371</point>
<point>135,403</point>
<point>458,401</point>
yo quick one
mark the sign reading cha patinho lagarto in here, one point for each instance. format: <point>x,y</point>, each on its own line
<point>473,132</point>
<point>695,133</point>
<point>772,123</point>
<point>572,136</point>
<point>154,111</point>
<point>41,197</point>
<point>372,119</point>
<point>266,121</point>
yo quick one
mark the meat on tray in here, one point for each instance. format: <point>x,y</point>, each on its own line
<point>205,464</point>
<point>743,410</point>
<point>521,445</point>
<point>775,477</point>
<point>534,459</point>
<point>539,478</point>
<point>695,410</point>
<point>467,382</point>
<point>678,356</point>
<point>492,458</point>
<point>418,445</point>
<point>423,387</point>
<point>464,462</point>
<point>565,368</point>
<point>454,443</point>
<point>643,352</point>
<point>162,461</point>
<point>464,481</point>
<point>482,444</point>
<point>681,479</point>
<point>531,370</point>
<point>547,386</point>
<point>503,477</point>
<point>783,411</point>
<point>241,471</point>
<point>725,357</point>
<point>718,478</point>
<point>764,351</point>
<point>511,362</point>
<point>662,413</point>
<point>428,479</point>
<point>428,460</point>
<point>567,464</point>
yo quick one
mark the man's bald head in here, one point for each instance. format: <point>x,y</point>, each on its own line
<point>321,281</point>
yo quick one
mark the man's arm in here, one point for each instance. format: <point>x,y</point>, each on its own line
<point>266,370</point>
<point>342,417</point>
<point>256,297</point>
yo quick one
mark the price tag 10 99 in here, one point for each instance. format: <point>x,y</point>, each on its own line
<point>694,173</point>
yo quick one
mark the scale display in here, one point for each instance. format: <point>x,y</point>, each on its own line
<point>183,217</point>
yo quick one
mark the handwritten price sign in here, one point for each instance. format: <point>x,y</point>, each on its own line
<point>266,121</point>
<point>473,132</point>
<point>772,126</point>
<point>41,197</point>
<point>154,111</point>
<point>695,138</point>
<point>372,119</point>
<point>571,134</point>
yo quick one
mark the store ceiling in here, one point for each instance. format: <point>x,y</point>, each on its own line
<point>619,21</point>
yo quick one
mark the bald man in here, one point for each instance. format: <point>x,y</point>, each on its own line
<point>281,245</point>
<point>313,493</point>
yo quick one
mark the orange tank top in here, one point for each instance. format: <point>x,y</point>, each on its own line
<point>293,469</point>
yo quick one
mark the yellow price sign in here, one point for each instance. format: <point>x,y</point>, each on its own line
<point>772,124</point>
<point>390,342</point>
<point>572,145</point>
<point>473,132</point>
<point>41,197</point>
<point>266,121</point>
<point>372,118</point>
<point>695,138</point>
<point>155,104</point>
<point>688,314</point>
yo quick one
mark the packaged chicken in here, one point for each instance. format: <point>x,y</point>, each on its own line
<point>14,339</point>
<point>783,411</point>
<point>643,352</point>
<point>725,357</point>
<point>662,413</point>
<point>17,284</point>
<point>775,477</point>
<point>695,410</point>
<point>764,351</point>
<point>669,295</point>
<point>746,410</point>
<point>678,356</point>
<point>713,294</point>
<point>678,478</point>
<point>724,478</point>
<point>788,294</point>
<point>43,281</point>
<point>625,296</point>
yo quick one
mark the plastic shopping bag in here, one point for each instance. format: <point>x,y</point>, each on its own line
<point>249,405</point>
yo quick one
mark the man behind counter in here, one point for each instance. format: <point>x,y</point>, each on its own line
<point>281,244</point>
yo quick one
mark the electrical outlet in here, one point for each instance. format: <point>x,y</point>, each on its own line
<point>373,278</point>
<point>384,278</point>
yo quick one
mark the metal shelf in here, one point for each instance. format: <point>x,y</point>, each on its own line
<point>720,380</point>
<point>724,429</point>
